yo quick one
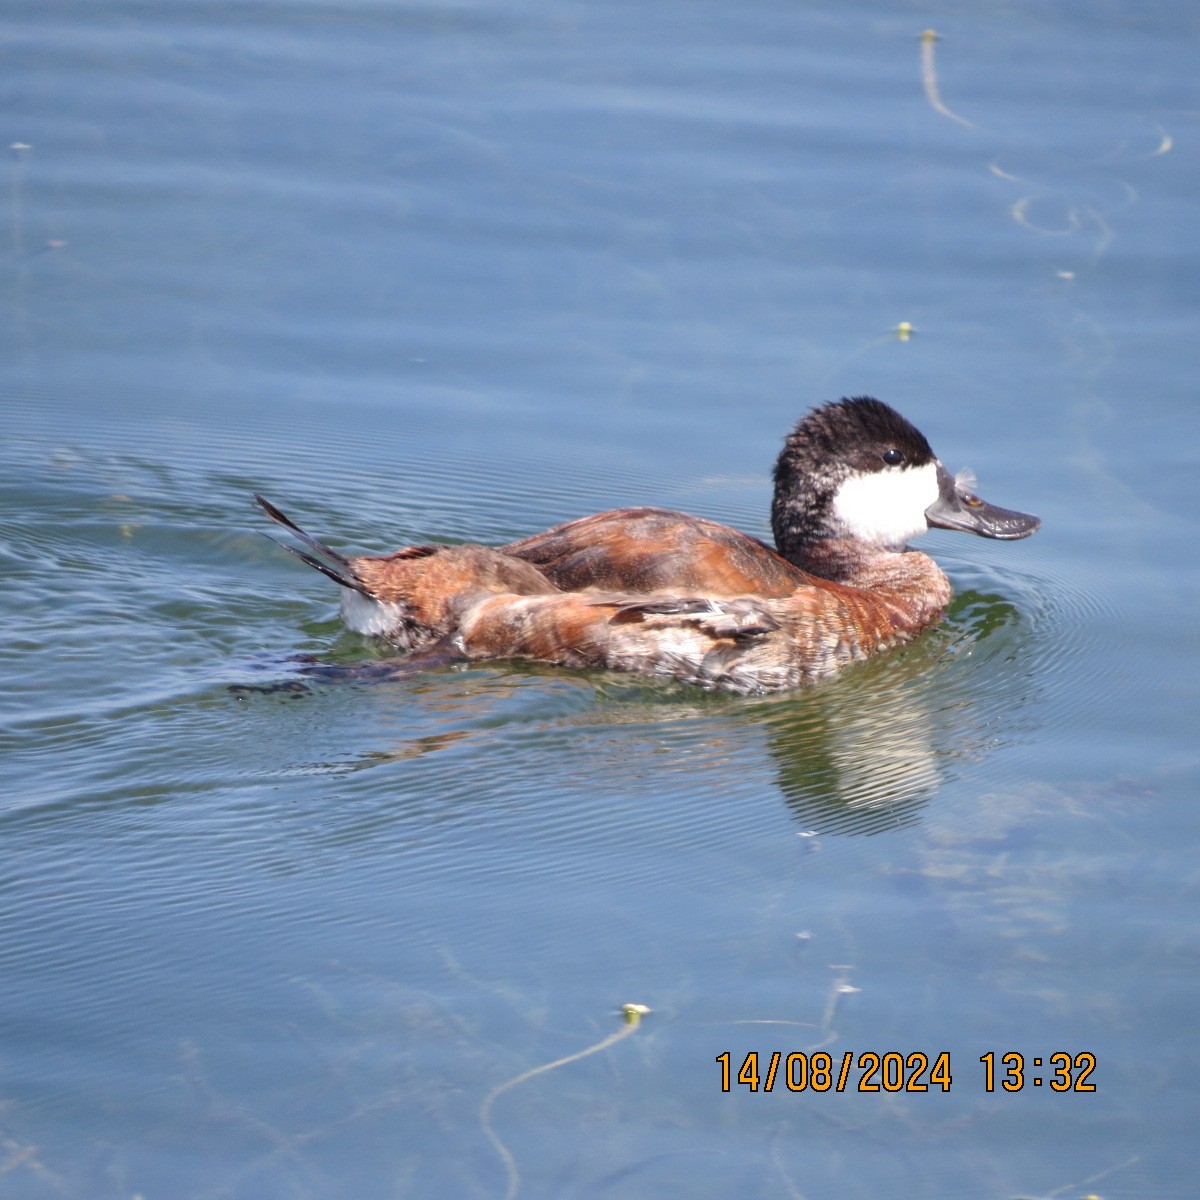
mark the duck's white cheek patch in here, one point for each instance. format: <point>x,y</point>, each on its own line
<point>887,507</point>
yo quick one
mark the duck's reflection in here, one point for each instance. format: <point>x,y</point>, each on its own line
<point>867,753</point>
<point>863,758</point>
<point>860,754</point>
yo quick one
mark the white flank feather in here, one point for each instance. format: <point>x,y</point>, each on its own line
<point>375,618</point>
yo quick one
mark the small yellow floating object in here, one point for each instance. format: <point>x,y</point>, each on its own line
<point>904,330</point>
<point>635,1012</point>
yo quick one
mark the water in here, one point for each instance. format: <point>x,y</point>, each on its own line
<point>457,272</point>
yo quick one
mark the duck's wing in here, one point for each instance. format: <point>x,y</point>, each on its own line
<point>645,550</point>
<point>734,644</point>
<point>738,617</point>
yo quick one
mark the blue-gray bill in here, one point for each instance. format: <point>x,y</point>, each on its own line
<point>958,508</point>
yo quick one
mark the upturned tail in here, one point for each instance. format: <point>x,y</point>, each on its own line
<point>322,558</point>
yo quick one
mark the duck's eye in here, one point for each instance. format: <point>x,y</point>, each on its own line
<point>893,458</point>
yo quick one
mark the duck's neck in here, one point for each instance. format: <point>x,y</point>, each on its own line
<point>842,560</point>
<point>900,577</point>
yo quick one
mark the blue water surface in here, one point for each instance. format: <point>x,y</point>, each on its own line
<point>456,271</point>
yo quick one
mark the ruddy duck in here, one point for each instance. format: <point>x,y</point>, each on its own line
<point>667,594</point>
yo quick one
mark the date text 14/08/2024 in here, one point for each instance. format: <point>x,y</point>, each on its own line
<point>895,1072</point>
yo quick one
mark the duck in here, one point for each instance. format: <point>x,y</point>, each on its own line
<point>670,595</point>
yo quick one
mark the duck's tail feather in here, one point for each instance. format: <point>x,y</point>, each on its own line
<point>323,558</point>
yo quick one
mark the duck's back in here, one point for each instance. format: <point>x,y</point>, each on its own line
<point>656,550</point>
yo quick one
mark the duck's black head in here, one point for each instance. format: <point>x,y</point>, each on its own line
<point>857,469</point>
